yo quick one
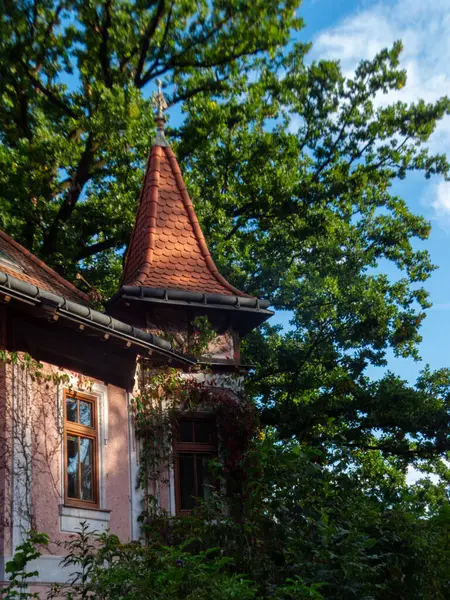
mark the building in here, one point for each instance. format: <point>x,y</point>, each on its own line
<point>68,445</point>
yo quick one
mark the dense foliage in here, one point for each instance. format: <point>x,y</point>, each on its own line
<point>290,165</point>
<point>296,531</point>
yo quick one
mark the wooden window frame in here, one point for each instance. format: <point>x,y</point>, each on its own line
<point>76,429</point>
<point>193,448</point>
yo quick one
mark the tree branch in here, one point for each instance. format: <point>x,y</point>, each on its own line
<point>146,38</point>
<point>163,42</point>
<point>49,94</point>
<point>81,177</point>
<point>233,230</point>
<point>355,100</point>
<point>103,50</point>
<point>22,120</point>
<point>210,64</point>
<point>211,86</point>
<point>173,62</point>
<point>48,33</point>
<point>239,223</point>
<point>386,449</point>
<point>87,251</point>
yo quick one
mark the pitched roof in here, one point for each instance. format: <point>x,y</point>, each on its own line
<point>167,248</point>
<point>17,261</point>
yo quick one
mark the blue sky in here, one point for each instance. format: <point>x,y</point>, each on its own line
<point>350,30</point>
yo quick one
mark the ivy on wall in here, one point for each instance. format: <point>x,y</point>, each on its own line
<point>31,432</point>
<point>164,396</point>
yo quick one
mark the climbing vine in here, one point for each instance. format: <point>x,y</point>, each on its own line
<point>165,395</point>
<point>202,335</point>
<point>30,432</point>
<point>37,372</point>
<point>34,368</point>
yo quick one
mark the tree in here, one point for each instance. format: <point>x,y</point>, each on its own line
<point>307,219</point>
<point>296,206</point>
<point>75,124</point>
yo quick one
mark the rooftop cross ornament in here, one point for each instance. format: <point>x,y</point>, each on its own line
<point>160,103</point>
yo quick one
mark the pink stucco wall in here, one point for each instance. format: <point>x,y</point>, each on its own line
<point>4,495</point>
<point>117,474</point>
<point>47,452</point>
<point>44,431</point>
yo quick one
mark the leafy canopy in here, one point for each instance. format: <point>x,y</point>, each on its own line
<point>290,165</point>
<point>75,119</point>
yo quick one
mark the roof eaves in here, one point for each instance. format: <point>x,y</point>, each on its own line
<point>196,298</point>
<point>31,294</point>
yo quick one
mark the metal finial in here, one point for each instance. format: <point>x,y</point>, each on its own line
<point>159,101</point>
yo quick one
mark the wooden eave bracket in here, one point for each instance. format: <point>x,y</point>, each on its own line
<point>50,309</point>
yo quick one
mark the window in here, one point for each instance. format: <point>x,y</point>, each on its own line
<point>80,450</point>
<point>195,446</point>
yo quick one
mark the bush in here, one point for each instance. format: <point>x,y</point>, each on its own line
<point>105,568</point>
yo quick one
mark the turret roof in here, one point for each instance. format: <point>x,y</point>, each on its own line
<point>167,248</point>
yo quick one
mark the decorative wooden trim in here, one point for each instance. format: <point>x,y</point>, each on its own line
<point>91,433</point>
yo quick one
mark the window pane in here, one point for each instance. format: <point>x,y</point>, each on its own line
<point>186,431</point>
<point>86,459</point>
<point>72,466</point>
<point>203,431</point>
<point>86,413</point>
<point>204,477</point>
<point>187,481</point>
<point>71,409</point>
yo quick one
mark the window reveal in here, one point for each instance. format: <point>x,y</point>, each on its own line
<point>195,446</point>
<point>80,450</point>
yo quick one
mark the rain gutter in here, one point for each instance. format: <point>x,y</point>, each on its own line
<point>57,306</point>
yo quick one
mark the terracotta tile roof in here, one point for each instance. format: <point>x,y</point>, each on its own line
<point>33,270</point>
<point>167,248</point>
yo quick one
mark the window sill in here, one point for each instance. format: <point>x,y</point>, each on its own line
<point>71,517</point>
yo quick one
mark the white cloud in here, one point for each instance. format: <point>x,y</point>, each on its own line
<point>438,197</point>
<point>414,475</point>
<point>423,26</point>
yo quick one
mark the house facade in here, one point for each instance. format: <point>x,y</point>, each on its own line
<point>70,414</point>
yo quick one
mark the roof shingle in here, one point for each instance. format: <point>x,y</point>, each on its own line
<point>33,270</point>
<point>167,248</point>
